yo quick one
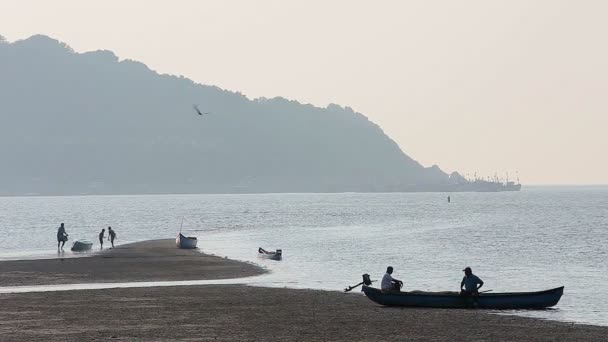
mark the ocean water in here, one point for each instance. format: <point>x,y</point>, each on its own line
<point>531,240</point>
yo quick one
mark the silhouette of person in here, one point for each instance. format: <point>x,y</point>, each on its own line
<point>101,237</point>
<point>111,235</point>
<point>470,283</point>
<point>62,237</point>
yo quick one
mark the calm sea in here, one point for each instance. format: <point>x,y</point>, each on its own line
<point>535,239</point>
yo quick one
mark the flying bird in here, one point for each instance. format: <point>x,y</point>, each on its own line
<point>199,112</point>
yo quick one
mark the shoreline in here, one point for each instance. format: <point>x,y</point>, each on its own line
<point>145,261</point>
<point>228,312</point>
<point>244,313</point>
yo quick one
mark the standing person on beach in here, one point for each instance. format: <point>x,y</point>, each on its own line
<point>111,235</point>
<point>471,283</point>
<point>390,284</point>
<point>62,237</point>
<point>102,235</point>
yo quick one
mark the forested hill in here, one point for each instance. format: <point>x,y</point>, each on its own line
<point>90,123</point>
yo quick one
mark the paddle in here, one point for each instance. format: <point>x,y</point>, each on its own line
<point>485,291</point>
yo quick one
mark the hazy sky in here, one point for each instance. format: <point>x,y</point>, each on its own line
<point>474,86</point>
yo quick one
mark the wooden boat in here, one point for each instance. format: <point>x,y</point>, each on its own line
<point>498,301</point>
<point>185,242</point>
<point>82,246</point>
<point>276,255</point>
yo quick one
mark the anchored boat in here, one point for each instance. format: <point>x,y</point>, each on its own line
<point>186,242</point>
<point>497,301</point>
<point>183,241</point>
<point>276,255</point>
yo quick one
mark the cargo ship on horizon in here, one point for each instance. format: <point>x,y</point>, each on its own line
<point>488,184</point>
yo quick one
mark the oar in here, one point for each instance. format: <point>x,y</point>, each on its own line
<point>485,291</point>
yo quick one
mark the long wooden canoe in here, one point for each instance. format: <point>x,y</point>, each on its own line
<point>498,301</point>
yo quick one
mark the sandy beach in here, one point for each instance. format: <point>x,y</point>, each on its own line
<point>241,313</point>
<point>153,260</point>
<point>228,312</point>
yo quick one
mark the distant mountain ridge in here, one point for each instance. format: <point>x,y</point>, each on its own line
<point>89,123</point>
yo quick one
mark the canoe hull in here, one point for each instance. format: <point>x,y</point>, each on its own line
<point>271,256</point>
<point>185,242</point>
<point>276,255</point>
<point>82,246</point>
<point>496,301</point>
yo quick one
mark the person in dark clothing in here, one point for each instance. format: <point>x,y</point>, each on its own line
<point>62,237</point>
<point>111,235</point>
<point>102,235</point>
<point>470,284</point>
<point>469,288</point>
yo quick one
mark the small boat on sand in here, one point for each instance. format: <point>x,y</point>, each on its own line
<point>496,301</point>
<point>185,242</point>
<point>276,255</point>
<point>82,246</point>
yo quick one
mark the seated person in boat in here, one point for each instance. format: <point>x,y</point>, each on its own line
<point>389,283</point>
<point>470,283</point>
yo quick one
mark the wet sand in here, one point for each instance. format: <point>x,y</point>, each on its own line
<point>241,313</point>
<point>227,312</point>
<point>154,260</point>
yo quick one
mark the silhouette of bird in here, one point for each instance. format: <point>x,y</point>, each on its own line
<point>199,112</point>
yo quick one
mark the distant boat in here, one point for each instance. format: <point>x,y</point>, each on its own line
<point>82,246</point>
<point>276,255</point>
<point>185,242</point>
<point>512,186</point>
<point>497,301</point>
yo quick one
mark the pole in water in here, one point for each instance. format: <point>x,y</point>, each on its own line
<point>449,200</point>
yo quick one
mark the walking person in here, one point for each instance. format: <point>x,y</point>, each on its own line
<point>111,235</point>
<point>62,237</point>
<point>102,235</point>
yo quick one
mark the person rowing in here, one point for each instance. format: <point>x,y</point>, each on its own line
<point>390,284</point>
<point>470,284</point>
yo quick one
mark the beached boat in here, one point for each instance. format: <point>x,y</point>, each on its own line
<point>82,246</point>
<point>185,242</point>
<point>276,255</point>
<point>498,301</point>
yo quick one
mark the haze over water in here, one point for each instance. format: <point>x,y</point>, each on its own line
<point>532,240</point>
